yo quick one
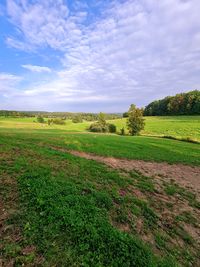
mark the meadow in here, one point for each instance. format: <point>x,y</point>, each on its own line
<point>59,209</point>
<point>176,126</point>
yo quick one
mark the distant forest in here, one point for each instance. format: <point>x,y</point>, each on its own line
<point>62,115</point>
<point>180,104</point>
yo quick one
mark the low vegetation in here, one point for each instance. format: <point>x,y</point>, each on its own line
<point>70,211</point>
<point>87,199</point>
<point>101,126</point>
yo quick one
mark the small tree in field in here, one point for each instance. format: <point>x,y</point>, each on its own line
<point>102,119</point>
<point>135,121</point>
<point>40,119</point>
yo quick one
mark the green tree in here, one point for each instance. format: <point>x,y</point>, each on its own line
<point>77,119</point>
<point>125,115</point>
<point>40,119</point>
<point>102,119</point>
<point>135,121</point>
<point>180,104</point>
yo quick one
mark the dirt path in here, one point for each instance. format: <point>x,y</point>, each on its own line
<point>184,175</point>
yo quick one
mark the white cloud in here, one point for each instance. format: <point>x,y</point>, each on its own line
<point>8,83</point>
<point>135,52</point>
<point>34,68</point>
<point>41,24</point>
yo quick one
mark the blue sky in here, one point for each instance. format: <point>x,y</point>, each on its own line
<point>92,55</point>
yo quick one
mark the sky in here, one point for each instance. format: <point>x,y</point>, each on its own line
<point>96,55</point>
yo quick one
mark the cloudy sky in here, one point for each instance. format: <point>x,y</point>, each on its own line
<point>96,55</point>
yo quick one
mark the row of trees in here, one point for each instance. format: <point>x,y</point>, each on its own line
<point>180,104</point>
<point>75,116</point>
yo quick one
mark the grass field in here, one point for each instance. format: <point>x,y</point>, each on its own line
<point>177,126</point>
<point>63,210</point>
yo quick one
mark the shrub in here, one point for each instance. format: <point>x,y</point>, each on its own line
<point>50,121</point>
<point>122,131</point>
<point>77,119</point>
<point>125,115</point>
<point>112,128</point>
<point>98,128</point>
<point>40,119</point>
<point>58,121</point>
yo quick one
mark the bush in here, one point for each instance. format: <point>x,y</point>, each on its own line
<point>122,131</point>
<point>112,128</point>
<point>98,128</point>
<point>40,119</point>
<point>77,119</point>
<point>58,121</point>
<point>125,115</point>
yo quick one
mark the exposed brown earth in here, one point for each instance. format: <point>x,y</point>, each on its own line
<point>184,175</point>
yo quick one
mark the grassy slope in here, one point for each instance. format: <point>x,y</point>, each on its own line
<point>64,211</point>
<point>72,211</point>
<point>179,126</point>
<point>73,208</point>
<point>144,148</point>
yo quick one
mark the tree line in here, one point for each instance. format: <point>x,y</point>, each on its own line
<point>180,104</point>
<point>75,116</point>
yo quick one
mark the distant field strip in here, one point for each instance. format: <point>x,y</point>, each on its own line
<point>176,126</point>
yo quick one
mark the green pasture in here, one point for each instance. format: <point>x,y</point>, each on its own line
<point>176,126</point>
<point>63,210</point>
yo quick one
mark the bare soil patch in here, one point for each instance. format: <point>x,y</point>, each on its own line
<point>184,175</point>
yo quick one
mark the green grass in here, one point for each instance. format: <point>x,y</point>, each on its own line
<point>77,212</point>
<point>176,126</point>
<point>143,148</point>
<point>64,210</point>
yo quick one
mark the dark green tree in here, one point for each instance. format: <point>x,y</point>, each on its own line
<point>40,119</point>
<point>135,121</point>
<point>102,119</point>
<point>180,104</point>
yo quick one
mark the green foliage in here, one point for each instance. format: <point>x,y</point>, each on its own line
<point>101,126</point>
<point>122,131</point>
<point>102,119</point>
<point>77,119</point>
<point>98,128</point>
<point>57,121</point>
<point>125,115</point>
<point>65,115</point>
<point>40,119</point>
<point>135,121</point>
<point>180,104</point>
<point>112,128</point>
